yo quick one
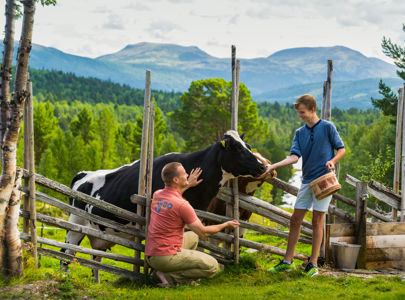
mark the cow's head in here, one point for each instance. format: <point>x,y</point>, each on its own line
<point>236,158</point>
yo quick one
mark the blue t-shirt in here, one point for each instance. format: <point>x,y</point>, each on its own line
<point>316,145</point>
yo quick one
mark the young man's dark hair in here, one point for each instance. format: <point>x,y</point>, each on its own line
<point>170,171</point>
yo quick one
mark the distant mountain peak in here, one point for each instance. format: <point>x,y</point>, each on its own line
<point>146,50</point>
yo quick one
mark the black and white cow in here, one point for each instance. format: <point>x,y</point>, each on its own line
<point>231,157</point>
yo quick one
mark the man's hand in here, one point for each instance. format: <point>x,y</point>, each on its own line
<point>330,165</point>
<point>232,224</point>
<point>192,178</point>
<point>269,168</point>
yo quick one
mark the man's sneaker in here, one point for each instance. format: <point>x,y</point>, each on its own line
<point>282,266</point>
<point>311,270</point>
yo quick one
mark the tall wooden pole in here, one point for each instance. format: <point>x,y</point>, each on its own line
<point>235,187</point>
<point>229,207</point>
<point>398,136</point>
<point>149,174</point>
<point>323,108</point>
<point>326,115</point>
<point>329,91</point>
<point>402,95</point>
<point>143,156</point>
<point>31,172</point>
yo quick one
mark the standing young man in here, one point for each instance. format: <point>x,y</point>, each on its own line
<point>170,251</point>
<point>316,142</point>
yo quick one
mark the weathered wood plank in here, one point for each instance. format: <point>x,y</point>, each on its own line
<point>64,190</point>
<point>386,264</point>
<point>84,214</point>
<point>258,246</point>
<point>341,213</point>
<point>138,199</point>
<point>84,250</point>
<point>337,230</point>
<point>390,200</point>
<point>385,254</point>
<point>369,210</point>
<point>385,241</point>
<point>265,213</point>
<point>383,189</point>
<point>215,249</point>
<point>263,204</point>
<point>90,263</point>
<point>385,228</point>
<point>283,185</point>
<point>248,225</point>
<point>344,239</point>
<point>88,231</point>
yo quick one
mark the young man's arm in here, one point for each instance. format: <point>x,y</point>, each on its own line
<point>205,231</point>
<point>331,163</point>
<point>292,159</point>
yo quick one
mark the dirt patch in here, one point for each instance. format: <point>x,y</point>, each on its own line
<point>43,289</point>
<point>362,273</point>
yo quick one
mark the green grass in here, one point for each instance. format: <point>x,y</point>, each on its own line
<point>249,280</point>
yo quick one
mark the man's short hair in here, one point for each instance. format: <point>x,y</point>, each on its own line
<point>170,171</point>
<point>307,100</point>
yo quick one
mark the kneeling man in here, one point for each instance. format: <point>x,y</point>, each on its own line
<point>169,250</point>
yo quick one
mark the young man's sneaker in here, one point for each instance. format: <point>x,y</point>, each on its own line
<point>282,266</point>
<point>311,270</point>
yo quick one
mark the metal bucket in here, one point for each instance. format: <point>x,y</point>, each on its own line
<point>345,255</point>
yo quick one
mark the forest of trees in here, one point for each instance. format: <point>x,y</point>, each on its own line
<point>75,130</point>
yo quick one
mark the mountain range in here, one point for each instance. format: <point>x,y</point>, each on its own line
<point>279,77</point>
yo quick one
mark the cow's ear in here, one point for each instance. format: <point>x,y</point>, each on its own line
<point>223,143</point>
<point>242,136</point>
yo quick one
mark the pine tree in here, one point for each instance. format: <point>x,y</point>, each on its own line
<point>388,104</point>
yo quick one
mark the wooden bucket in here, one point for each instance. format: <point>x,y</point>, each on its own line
<point>325,186</point>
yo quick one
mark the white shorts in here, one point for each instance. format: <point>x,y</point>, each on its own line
<point>306,199</point>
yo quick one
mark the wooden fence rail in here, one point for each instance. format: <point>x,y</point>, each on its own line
<point>378,191</point>
<point>85,230</point>
<point>64,190</point>
<point>84,214</point>
<point>117,257</point>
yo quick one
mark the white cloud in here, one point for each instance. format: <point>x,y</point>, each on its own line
<point>114,22</point>
<point>257,27</point>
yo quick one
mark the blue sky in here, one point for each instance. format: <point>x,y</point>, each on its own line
<point>257,27</point>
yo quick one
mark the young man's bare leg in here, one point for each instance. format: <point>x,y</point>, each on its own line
<point>295,230</point>
<point>317,235</point>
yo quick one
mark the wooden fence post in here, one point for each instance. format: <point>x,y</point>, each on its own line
<point>229,207</point>
<point>361,221</point>
<point>31,171</point>
<point>235,186</point>
<point>398,136</point>
<point>149,175</point>
<point>143,157</point>
<point>402,94</point>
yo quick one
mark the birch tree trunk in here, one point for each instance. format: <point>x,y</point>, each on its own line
<point>13,260</point>
<point>9,147</point>
<point>6,67</point>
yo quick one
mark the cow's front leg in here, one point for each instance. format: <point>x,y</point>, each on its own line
<point>73,238</point>
<point>96,272</point>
